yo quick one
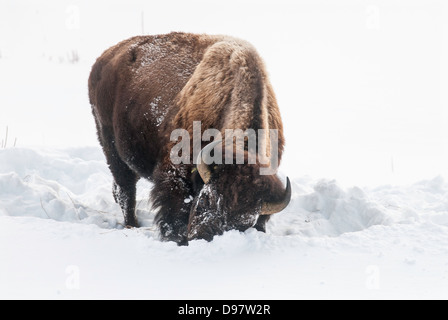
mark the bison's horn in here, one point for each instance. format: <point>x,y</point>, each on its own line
<point>204,158</point>
<point>274,207</point>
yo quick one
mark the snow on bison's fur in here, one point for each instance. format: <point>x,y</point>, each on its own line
<point>145,87</point>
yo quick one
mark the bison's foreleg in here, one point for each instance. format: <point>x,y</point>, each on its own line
<point>173,224</point>
<point>172,194</point>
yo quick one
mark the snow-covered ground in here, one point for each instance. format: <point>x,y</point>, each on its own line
<point>362,94</point>
<point>62,237</point>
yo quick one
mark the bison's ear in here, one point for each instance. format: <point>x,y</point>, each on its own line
<point>272,206</point>
<point>205,170</point>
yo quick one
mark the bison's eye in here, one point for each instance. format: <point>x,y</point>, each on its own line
<point>201,202</point>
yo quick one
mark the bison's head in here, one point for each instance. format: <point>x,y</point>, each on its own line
<point>234,196</point>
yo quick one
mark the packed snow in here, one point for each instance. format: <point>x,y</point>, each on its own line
<point>366,127</point>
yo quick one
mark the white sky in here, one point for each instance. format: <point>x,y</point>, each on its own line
<point>361,84</point>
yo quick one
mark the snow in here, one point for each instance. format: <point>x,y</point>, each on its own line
<point>152,52</point>
<point>361,93</point>
<point>159,113</point>
<point>57,214</point>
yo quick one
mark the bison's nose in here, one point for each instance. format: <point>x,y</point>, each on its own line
<point>183,242</point>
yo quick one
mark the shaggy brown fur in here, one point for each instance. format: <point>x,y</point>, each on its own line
<point>145,87</point>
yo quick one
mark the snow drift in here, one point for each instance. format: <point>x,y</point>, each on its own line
<point>59,222</point>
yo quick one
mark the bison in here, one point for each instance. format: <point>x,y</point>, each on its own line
<point>144,88</point>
